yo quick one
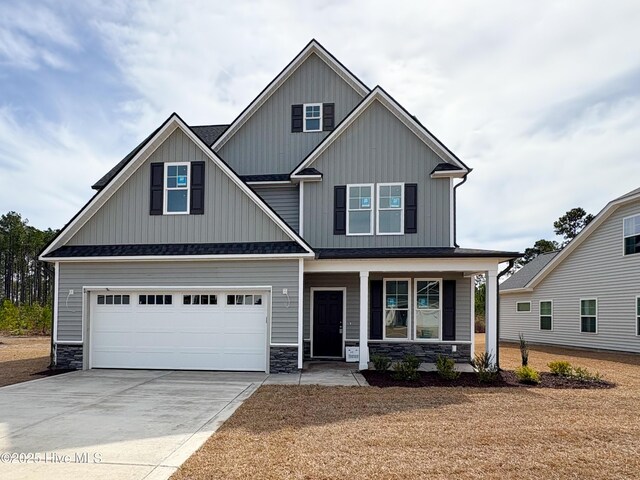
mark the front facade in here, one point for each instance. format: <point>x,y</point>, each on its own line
<point>322,218</point>
<point>588,294</point>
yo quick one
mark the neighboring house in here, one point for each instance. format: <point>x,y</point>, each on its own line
<point>322,217</point>
<point>586,295</point>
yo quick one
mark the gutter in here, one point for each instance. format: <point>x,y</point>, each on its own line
<point>509,267</point>
<point>455,209</point>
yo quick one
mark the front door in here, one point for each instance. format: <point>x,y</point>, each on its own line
<point>327,323</point>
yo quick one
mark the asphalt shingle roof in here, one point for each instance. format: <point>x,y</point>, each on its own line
<point>522,277</point>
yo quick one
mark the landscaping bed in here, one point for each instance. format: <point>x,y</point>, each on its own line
<point>506,378</point>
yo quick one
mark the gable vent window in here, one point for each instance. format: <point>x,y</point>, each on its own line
<point>632,235</point>
<point>313,117</point>
<point>176,188</point>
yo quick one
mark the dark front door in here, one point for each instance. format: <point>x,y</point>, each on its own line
<point>327,323</point>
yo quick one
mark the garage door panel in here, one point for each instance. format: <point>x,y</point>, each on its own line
<point>180,335</point>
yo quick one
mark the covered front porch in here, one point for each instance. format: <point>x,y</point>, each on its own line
<point>393,307</point>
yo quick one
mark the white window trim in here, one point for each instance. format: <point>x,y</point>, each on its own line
<point>580,315</point>
<point>165,194</point>
<point>371,209</point>
<point>378,209</point>
<point>637,317</point>
<point>384,309</point>
<point>415,308</point>
<point>624,254</point>
<point>304,117</point>
<point>540,315</point>
<point>523,311</point>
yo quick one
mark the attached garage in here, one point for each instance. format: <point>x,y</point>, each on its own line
<point>196,329</point>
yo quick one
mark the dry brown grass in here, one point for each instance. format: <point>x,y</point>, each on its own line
<point>357,433</point>
<point>22,357</point>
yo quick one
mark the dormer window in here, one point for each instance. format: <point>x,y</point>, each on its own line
<point>312,117</point>
<point>176,189</point>
<point>631,227</point>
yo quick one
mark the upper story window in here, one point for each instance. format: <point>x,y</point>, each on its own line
<point>631,235</point>
<point>176,188</point>
<point>390,220</point>
<point>360,209</point>
<point>312,117</point>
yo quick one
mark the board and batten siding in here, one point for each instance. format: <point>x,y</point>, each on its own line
<point>265,144</point>
<point>229,214</point>
<point>595,269</point>
<point>283,199</point>
<point>352,283</point>
<point>378,148</point>
<point>278,274</point>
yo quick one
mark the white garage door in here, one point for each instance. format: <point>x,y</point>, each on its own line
<point>188,330</point>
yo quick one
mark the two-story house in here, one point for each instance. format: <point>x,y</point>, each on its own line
<point>322,217</point>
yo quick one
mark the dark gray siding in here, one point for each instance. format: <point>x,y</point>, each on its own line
<point>595,269</point>
<point>265,144</point>
<point>278,274</point>
<point>284,199</point>
<point>230,215</point>
<point>378,148</point>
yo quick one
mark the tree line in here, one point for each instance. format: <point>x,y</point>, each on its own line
<point>26,296</point>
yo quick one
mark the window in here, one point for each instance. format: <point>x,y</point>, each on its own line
<point>631,227</point>
<point>396,309</point>
<point>390,209</point>
<point>637,315</point>
<point>244,299</point>
<point>522,307</point>
<point>546,315</point>
<point>313,117</point>
<point>360,210</point>
<point>113,299</point>
<point>199,299</point>
<point>176,188</point>
<point>589,316</point>
<point>155,299</point>
<point>427,309</point>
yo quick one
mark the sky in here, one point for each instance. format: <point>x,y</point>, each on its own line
<point>541,99</point>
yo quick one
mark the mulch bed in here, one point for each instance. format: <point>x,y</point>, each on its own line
<point>466,379</point>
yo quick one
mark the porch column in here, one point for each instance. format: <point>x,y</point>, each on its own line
<point>491,329</point>
<point>364,320</point>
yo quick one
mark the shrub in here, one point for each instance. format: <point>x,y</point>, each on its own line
<point>485,367</point>
<point>480,324</point>
<point>524,351</point>
<point>381,363</point>
<point>583,374</point>
<point>407,369</point>
<point>446,368</point>
<point>527,375</point>
<point>560,367</point>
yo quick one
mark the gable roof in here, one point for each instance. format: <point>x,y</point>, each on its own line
<point>149,145</point>
<point>313,47</point>
<point>605,213</point>
<point>528,271</point>
<point>207,133</point>
<point>411,122</point>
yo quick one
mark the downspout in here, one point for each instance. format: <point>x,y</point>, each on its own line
<point>455,210</point>
<point>509,267</point>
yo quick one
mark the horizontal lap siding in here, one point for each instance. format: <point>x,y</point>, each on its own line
<point>378,148</point>
<point>284,200</point>
<point>596,269</point>
<point>277,274</point>
<point>229,214</point>
<point>265,144</point>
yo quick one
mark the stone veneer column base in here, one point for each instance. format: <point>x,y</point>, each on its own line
<point>426,352</point>
<point>68,357</point>
<point>283,360</point>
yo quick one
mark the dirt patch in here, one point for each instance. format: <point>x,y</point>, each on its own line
<point>23,358</point>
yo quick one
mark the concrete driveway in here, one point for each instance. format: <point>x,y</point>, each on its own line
<point>114,424</point>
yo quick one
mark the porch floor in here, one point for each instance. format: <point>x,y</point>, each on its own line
<point>326,373</point>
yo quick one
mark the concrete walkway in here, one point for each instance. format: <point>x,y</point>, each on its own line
<point>329,374</point>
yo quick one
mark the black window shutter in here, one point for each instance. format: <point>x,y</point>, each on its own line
<point>410,208</point>
<point>328,116</point>
<point>375,304</point>
<point>449,310</point>
<point>340,210</point>
<point>197,188</point>
<point>157,187</point>
<point>297,118</point>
